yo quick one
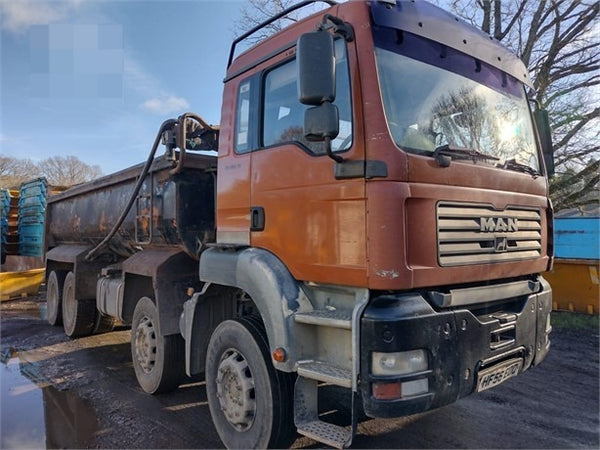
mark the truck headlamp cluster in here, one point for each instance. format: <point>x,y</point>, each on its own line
<point>397,389</point>
<point>399,363</point>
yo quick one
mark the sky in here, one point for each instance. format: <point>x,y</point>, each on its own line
<point>96,78</point>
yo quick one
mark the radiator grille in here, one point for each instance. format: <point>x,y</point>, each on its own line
<point>479,234</point>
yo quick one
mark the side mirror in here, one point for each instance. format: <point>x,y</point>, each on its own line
<point>321,123</point>
<point>316,68</point>
<point>542,123</point>
<point>315,56</point>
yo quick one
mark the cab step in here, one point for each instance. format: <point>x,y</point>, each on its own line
<point>326,433</point>
<point>321,371</point>
<point>327,318</point>
<point>306,416</point>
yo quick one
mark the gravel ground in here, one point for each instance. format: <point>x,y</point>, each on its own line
<point>86,395</point>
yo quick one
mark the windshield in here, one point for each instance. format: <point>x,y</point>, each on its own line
<point>431,107</point>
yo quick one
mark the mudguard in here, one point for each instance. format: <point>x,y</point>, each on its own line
<point>268,282</point>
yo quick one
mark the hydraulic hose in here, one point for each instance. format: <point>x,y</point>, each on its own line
<point>181,138</point>
<point>166,124</point>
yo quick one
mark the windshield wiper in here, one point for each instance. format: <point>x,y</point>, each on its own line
<point>512,164</point>
<point>444,154</point>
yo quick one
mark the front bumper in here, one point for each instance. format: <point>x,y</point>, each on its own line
<point>459,343</point>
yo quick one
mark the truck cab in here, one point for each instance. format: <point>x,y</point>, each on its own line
<point>413,244</point>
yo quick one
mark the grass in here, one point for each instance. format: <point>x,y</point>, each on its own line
<point>562,320</point>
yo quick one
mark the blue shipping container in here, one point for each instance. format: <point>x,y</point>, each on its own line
<point>31,218</point>
<point>32,230</point>
<point>32,210</point>
<point>577,238</point>
<point>33,190</point>
<point>37,182</point>
<point>30,250</point>
<point>34,200</point>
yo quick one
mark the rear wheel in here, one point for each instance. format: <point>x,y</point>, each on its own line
<point>77,314</point>
<point>158,360</point>
<point>54,293</point>
<point>251,402</point>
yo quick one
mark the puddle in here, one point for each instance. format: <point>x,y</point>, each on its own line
<point>38,415</point>
<point>24,309</point>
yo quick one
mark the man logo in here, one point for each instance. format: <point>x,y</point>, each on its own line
<point>500,244</point>
<point>492,224</point>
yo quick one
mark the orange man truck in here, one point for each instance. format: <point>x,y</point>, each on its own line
<point>377,218</point>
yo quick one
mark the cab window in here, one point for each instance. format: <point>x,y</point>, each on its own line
<point>283,114</point>
<point>242,123</point>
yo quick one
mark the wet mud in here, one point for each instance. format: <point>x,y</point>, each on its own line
<point>82,393</point>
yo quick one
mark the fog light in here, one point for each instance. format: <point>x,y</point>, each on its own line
<point>397,390</point>
<point>399,363</point>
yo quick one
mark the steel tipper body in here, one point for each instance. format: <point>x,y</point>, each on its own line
<point>170,211</point>
<point>406,245</point>
<point>141,275</point>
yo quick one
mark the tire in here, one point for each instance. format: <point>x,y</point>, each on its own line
<point>77,314</point>
<point>54,293</point>
<point>251,403</point>
<point>103,323</point>
<point>159,361</point>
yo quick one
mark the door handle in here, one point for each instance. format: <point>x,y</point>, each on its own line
<point>257,218</point>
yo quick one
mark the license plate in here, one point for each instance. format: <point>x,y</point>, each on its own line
<point>498,374</point>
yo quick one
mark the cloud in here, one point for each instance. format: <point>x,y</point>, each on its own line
<point>147,86</point>
<point>17,16</point>
<point>137,78</point>
<point>166,104</point>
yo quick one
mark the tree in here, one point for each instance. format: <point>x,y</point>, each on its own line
<point>556,41</point>
<point>58,170</point>
<point>14,171</point>
<point>576,188</point>
<point>68,170</point>
<point>254,12</point>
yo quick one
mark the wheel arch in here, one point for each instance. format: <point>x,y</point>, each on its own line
<point>164,276</point>
<point>270,285</point>
<point>202,315</point>
<point>72,258</point>
<point>135,288</point>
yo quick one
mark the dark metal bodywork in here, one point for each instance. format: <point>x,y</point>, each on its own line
<point>175,211</point>
<point>156,249</point>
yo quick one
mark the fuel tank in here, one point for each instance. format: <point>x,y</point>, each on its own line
<point>170,210</point>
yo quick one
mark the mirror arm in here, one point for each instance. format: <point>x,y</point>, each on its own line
<point>336,158</point>
<point>338,26</point>
<point>536,102</point>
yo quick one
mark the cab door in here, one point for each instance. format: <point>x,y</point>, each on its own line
<point>234,177</point>
<point>313,221</point>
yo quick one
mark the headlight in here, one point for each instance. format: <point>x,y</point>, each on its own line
<point>399,363</point>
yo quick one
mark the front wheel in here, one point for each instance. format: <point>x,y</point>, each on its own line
<point>251,402</point>
<point>158,360</point>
